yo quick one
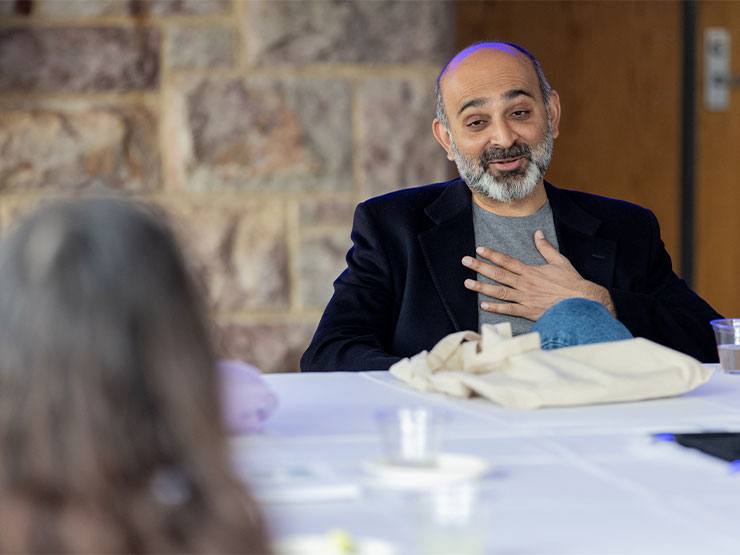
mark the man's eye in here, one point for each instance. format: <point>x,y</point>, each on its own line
<point>476,123</point>
<point>520,113</point>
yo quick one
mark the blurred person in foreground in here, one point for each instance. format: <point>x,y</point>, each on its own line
<point>111,439</point>
<point>500,244</point>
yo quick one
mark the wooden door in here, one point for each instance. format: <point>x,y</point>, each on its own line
<point>617,67</point>
<point>718,175</point>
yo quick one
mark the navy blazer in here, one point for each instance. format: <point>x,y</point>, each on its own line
<point>403,288</point>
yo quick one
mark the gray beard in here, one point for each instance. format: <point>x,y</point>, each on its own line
<point>510,185</point>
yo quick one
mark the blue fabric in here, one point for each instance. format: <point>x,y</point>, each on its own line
<point>578,322</point>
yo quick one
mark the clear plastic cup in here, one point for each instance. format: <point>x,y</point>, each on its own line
<point>727,334</point>
<point>412,436</point>
<point>454,518</point>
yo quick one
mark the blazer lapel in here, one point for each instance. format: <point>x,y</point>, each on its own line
<point>452,237</point>
<point>593,257</point>
<point>444,245</point>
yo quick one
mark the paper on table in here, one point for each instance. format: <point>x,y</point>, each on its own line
<point>451,468</point>
<point>302,484</point>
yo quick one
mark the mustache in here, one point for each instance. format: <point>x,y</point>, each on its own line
<point>494,154</point>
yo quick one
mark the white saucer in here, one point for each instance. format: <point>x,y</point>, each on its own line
<point>314,544</point>
<point>450,467</point>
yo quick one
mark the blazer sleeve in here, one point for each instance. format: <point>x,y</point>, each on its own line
<point>359,320</point>
<point>667,311</point>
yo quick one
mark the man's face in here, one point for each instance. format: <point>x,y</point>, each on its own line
<point>506,185</point>
<point>500,129</point>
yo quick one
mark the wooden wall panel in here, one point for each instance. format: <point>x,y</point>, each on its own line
<point>718,176</point>
<point>617,67</point>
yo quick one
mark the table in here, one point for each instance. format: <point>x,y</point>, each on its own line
<point>584,480</point>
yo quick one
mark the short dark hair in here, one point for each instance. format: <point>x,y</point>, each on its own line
<point>109,393</point>
<point>545,88</point>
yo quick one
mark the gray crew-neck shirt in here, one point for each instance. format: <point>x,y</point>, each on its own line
<point>513,236</point>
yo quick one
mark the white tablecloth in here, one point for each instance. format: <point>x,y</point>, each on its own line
<point>586,480</point>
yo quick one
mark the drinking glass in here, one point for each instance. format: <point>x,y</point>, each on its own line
<point>411,435</point>
<point>727,334</point>
<point>453,518</point>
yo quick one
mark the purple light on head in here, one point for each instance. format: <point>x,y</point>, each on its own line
<point>454,62</point>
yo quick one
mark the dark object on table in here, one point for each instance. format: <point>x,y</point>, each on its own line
<point>724,445</point>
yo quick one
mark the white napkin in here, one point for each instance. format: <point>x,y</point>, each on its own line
<point>515,373</point>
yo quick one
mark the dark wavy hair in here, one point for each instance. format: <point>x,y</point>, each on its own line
<point>111,437</point>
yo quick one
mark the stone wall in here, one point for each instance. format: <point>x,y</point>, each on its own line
<point>257,125</point>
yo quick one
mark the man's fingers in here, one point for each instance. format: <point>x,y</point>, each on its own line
<point>500,259</point>
<point>500,292</point>
<point>511,309</point>
<point>548,252</point>
<point>495,273</point>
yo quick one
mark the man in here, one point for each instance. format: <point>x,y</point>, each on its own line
<point>501,244</point>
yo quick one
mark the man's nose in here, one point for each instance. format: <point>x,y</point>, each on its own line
<point>501,134</point>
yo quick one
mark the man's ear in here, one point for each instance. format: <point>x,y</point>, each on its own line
<point>554,108</point>
<point>442,134</point>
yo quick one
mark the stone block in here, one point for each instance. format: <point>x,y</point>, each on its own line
<point>70,146</point>
<point>185,7</point>
<point>355,31</point>
<point>261,134</point>
<point>200,47</point>
<point>79,59</point>
<point>326,211</point>
<point>321,260</point>
<point>397,148</point>
<point>238,249</point>
<point>98,8</point>
<point>13,8</point>
<point>271,347</point>
<point>13,209</point>
<point>81,8</point>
